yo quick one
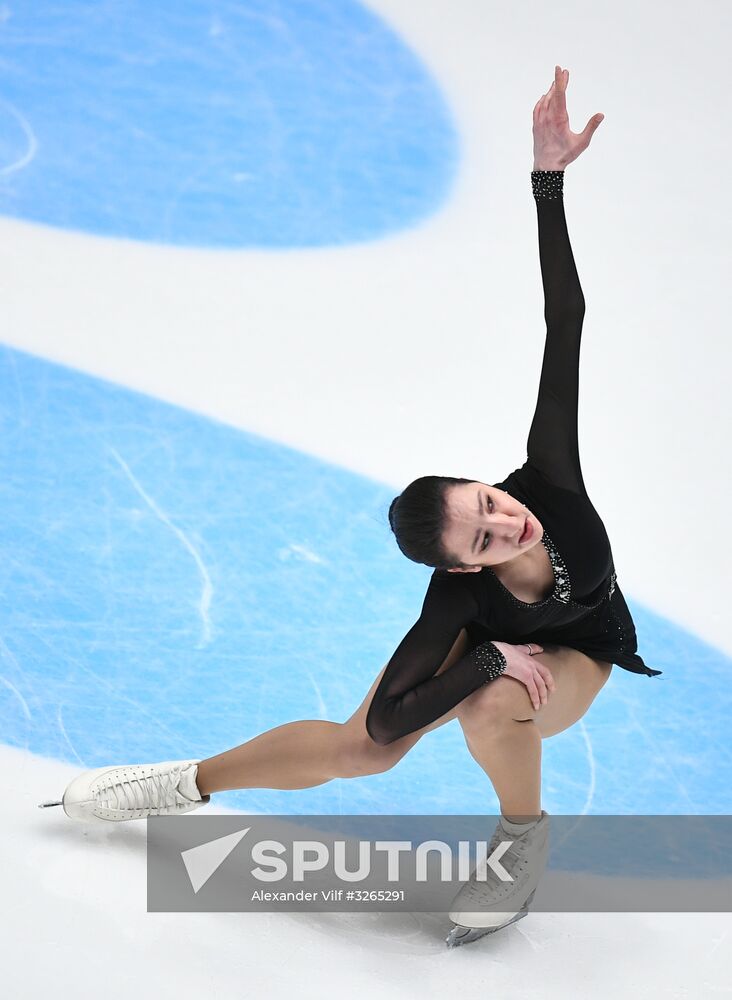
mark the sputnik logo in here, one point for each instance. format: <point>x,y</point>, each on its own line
<point>204,861</point>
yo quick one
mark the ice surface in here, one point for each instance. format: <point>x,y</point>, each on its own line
<point>177,578</point>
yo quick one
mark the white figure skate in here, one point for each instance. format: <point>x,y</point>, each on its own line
<point>132,791</point>
<point>486,904</point>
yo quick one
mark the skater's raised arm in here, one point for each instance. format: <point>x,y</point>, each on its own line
<point>552,445</point>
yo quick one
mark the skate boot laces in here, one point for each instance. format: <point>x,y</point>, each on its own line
<point>151,792</point>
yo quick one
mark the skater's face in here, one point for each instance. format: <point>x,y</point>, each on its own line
<point>484,525</point>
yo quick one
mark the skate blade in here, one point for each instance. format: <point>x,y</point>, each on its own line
<point>464,935</point>
<point>45,805</point>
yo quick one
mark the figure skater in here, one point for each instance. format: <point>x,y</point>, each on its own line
<point>521,623</point>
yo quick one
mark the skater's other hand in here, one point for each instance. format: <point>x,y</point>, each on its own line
<point>529,670</point>
<point>555,144</point>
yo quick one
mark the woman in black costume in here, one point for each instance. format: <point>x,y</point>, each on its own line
<point>521,623</point>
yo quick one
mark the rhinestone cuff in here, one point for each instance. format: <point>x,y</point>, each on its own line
<point>491,660</point>
<point>547,185</point>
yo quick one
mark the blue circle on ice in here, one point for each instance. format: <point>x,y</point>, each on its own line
<point>257,124</point>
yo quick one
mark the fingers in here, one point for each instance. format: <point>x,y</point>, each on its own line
<point>544,96</point>
<point>545,672</point>
<point>537,690</point>
<point>547,675</point>
<point>542,106</point>
<point>556,92</point>
<point>561,79</point>
<point>534,695</point>
<point>543,684</point>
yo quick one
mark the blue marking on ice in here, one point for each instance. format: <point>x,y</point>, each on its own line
<point>219,125</point>
<point>172,587</point>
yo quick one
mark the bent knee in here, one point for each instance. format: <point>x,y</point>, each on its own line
<point>502,700</point>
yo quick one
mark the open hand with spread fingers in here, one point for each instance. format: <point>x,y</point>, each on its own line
<point>555,144</point>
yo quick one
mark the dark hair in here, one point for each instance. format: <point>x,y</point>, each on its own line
<point>418,517</point>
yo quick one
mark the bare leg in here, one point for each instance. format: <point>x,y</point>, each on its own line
<point>511,757</point>
<point>296,755</point>
<point>308,753</point>
<point>503,731</point>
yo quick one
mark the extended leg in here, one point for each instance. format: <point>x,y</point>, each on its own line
<point>308,753</point>
<point>295,755</point>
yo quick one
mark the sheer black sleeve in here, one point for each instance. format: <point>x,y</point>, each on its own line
<point>553,446</point>
<point>409,696</point>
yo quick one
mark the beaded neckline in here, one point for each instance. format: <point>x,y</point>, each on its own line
<point>562,589</point>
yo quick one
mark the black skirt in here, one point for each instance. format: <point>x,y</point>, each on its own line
<point>606,632</point>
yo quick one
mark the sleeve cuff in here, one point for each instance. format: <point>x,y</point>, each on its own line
<point>547,185</point>
<point>490,660</point>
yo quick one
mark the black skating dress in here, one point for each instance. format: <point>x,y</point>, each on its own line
<point>586,609</point>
